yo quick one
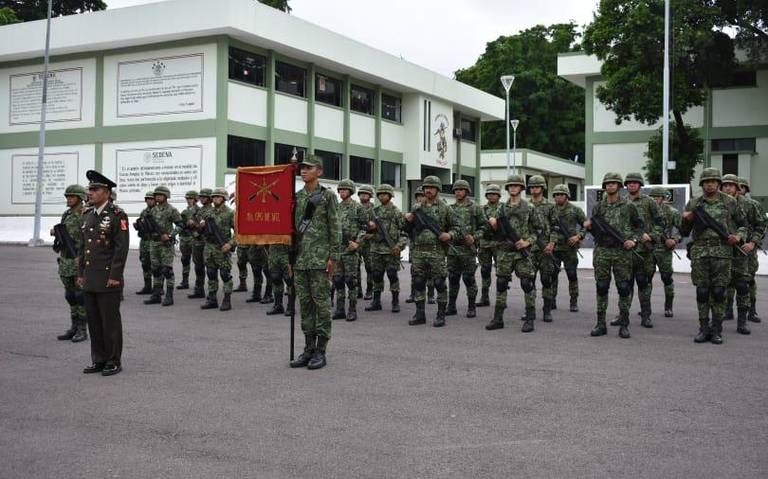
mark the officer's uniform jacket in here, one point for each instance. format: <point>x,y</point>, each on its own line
<point>105,240</point>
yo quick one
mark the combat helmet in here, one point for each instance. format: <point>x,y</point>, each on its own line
<point>365,189</point>
<point>205,192</point>
<point>612,177</point>
<point>518,180</point>
<point>432,181</point>
<point>710,174</point>
<point>385,188</point>
<point>220,191</point>
<point>346,184</point>
<point>561,189</point>
<point>658,191</point>
<point>462,185</point>
<point>634,177</point>
<point>419,191</point>
<point>76,190</point>
<point>492,189</point>
<point>191,194</point>
<point>149,195</point>
<point>163,190</point>
<point>744,183</point>
<point>730,178</point>
<point>537,180</point>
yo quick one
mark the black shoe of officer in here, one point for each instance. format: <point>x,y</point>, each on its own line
<point>420,317</point>
<point>395,302</point>
<point>439,321</point>
<point>94,368</point>
<point>111,369</point>
<point>498,319</point>
<point>242,287</point>
<point>528,323</point>
<point>318,358</point>
<point>376,303</point>
<point>210,302</point>
<point>226,303</point>
<point>309,349</point>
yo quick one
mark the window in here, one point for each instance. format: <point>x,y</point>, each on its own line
<point>738,79</point>
<point>390,108</point>
<point>361,99</point>
<point>468,131</point>
<point>361,170</point>
<point>731,164</point>
<point>284,153</point>
<point>244,152</point>
<point>390,173</point>
<point>734,144</point>
<point>328,90</point>
<point>290,79</point>
<point>247,67</point>
<point>573,192</point>
<point>331,164</point>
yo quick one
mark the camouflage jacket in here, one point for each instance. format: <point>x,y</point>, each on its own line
<point>224,216</point>
<point>489,211</point>
<point>653,223</point>
<point>392,219</point>
<point>755,217</point>
<point>167,218</point>
<point>546,211</point>
<point>365,247</point>
<point>524,221</point>
<point>322,238</point>
<point>471,222</point>
<point>189,213</point>
<point>706,242</point>
<point>670,225</point>
<point>442,215</point>
<point>572,219</point>
<point>354,223</point>
<point>71,220</point>
<point>623,216</point>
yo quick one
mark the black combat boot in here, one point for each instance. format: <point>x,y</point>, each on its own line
<point>290,306</point>
<point>184,281</point>
<point>451,309</point>
<point>741,322</point>
<point>645,320</point>
<point>309,350</point>
<point>156,298</point>
<point>668,306</point>
<point>574,304</point>
<point>368,291</point>
<point>485,300</point>
<point>600,329</point>
<point>616,321</point>
<point>199,291</point>
<point>411,298</point>
<point>439,321</point>
<point>267,298</point>
<point>624,327</point>
<point>752,316</point>
<point>255,295</point>
<point>81,331</point>
<point>242,287</point>
<point>226,303</point>
<point>471,308</point>
<point>352,312</point>
<point>717,331</point>
<point>420,317</point>
<point>498,319</point>
<point>318,358</point>
<point>430,295</point>
<point>70,333</point>
<point>277,306</point>
<point>339,312</point>
<point>168,298</point>
<point>376,303</point>
<point>530,317</point>
<point>210,302</point>
<point>704,331</point>
<point>546,311</point>
<point>147,289</point>
<point>395,301</point>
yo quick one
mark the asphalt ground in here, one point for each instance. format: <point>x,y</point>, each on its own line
<point>206,394</point>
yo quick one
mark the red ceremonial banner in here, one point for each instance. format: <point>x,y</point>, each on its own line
<point>265,197</point>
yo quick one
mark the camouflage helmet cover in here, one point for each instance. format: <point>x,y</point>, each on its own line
<point>658,191</point>
<point>710,174</point>
<point>518,180</point>
<point>206,192</point>
<point>163,190</point>
<point>220,191</point>
<point>191,194</point>
<point>729,178</point>
<point>492,189</point>
<point>149,195</point>
<point>561,189</point>
<point>385,188</point>
<point>612,177</point>
<point>346,184</point>
<point>537,180</point>
<point>76,190</point>
<point>432,181</point>
<point>634,177</point>
<point>365,189</point>
<point>462,185</point>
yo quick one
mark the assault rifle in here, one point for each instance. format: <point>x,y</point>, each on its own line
<point>212,231</point>
<point>605,228</point>
<point>508,231</point>
<point>706,220</point>
<point>567,232</point>
<point>309,212</point>
<point>384,233</point>
<point>426,222</point>
<point>146,225</point>
<point>63,242</point>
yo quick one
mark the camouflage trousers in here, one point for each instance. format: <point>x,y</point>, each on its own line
<point>429,265</point>
<point>754,264</point>
<point>544,265</point>
<point>189,255</point>
<point>461,268</point>
<point>74,296</point>
<point>711,276</point>
<point>346,274</point>
<point>218,263</point>
<point>385,263</point>
<point>486,257</point>
<point>616,262</point>
<point>313,290</point>
<point>145,258</point>
<point>642,276</point>
<point>569,260</point>
<point>161,256</point>
<point>740,283</point>
<point>256,257</point>
<point>278,258</point>
<point>508,262</point>
<point>198,258</point>
<point>663,259</point>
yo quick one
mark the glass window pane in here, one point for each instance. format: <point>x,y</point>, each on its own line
<point>331,164</point>
<point>361,170</point>
<point>328,90</point>
<point>361,100</point>
<point>468,130</point>
<point>244,152</point>
<point>390,173</point>
<point>731,164</point>
<point>246,67</point>
<point>390,108</point>
<point>290,79</point>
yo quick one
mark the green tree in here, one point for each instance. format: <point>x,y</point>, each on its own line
<point>686,157</point>
<point>550,110</point>
<point>29,10</point>
<point>278,4</point>
<point>749,19</point>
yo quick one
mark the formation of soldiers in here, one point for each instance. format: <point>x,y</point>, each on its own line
<point>634,235</point>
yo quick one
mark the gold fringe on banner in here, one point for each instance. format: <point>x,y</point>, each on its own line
<point>265,239</point>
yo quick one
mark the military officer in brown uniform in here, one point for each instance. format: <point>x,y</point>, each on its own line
<point>100,265</point>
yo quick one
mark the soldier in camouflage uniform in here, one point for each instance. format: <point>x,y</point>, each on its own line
<point>428,250</point>
<point>365,193</point>
<point>644,264</point>
<point>385,258</point>
<point>418,198</point>
<point>354,222</point>
<point>543,261</point>
<point>515,256</point>
<point>73,293</point>
<point>711,256</point>
<point>218,258</point>
<point>198,244</point>
<point>486,251</point>
<point>612,255</point>
<point>753,262</point>
<point>278,258</point>
<point>462,257</point>
<point>258,258</point>
<point>187,236</point>
<point>161,248</point>
<point>144,245</point>
<point>567,234</point>
<point>318,224</point>
<point>740,268</point>
<point>662,252</point>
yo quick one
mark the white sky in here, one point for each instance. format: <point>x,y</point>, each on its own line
<point>442,35</point>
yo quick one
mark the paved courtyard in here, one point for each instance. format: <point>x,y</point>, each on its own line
<point>210,394</point>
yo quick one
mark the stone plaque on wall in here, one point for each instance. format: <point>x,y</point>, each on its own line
<point>59,171</point>
<point>65,97</point>
<point>140,170</point>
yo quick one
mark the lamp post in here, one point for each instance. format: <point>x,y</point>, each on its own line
<point>665,109</point>
<point>514,124</point>
<point>506,82</point>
